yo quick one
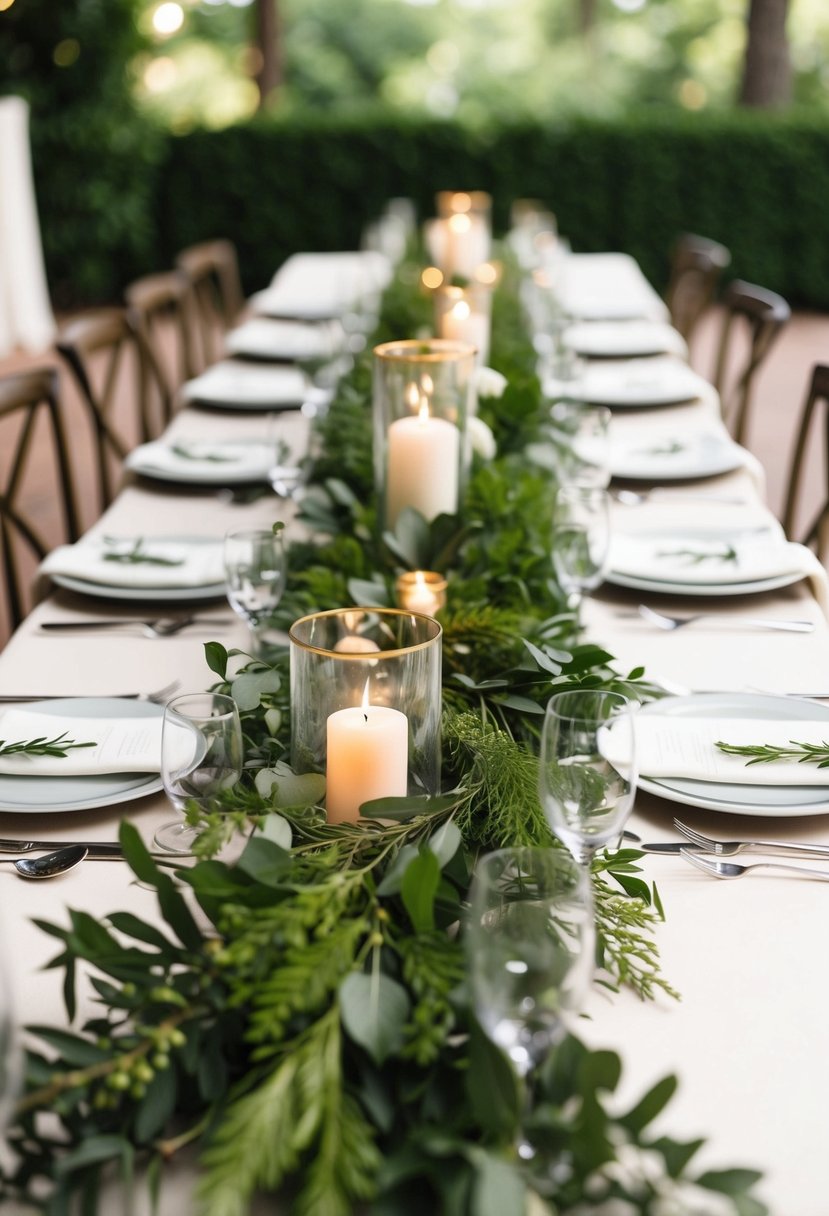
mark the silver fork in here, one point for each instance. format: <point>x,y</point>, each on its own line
<point>663,621</point>
<point>729,848</point>
<point>160,627</point>
<point>730,869</point>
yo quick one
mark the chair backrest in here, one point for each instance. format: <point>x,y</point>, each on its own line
<point>761,314</point>
<point>31,427</point>
<point>697,264</point>
<point>817,397</point>
<point>162,310</point>
<point>103,355</point>
<point>213,271</point>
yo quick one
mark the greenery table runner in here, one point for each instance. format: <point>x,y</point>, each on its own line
<point>309,1028</point>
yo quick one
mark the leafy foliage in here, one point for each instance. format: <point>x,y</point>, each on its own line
<point>310,1025</point>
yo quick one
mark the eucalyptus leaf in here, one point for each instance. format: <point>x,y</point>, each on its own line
<point>277,830</point>
<point>216,656</point>
<point>407,808</point>
<point>369,594</point>
<point>265,861</point>
<point>248,688</point>
<point>374,1010</point>
<point>284,788</point>
<point>418,889</point>
<point>445,842</point>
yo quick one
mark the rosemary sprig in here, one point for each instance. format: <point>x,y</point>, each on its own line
<point>766,753</point>
<point>136,556</point>
<point>179,449</point>
<point>42,746</point>
<point>697,556</point>
<point>666,449</point>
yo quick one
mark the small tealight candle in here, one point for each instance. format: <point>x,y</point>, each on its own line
<point>367,757</point>
<point>421,591</point>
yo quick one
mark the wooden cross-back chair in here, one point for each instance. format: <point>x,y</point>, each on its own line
<point>697,264</point>
<point>30,413</point>
<point>212,269</point>
<point>760,314</point>
<point>162,310</point>
<point>103,354</point>
<point>817,399</point>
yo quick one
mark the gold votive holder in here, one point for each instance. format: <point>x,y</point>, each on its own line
<point>365,704</point>
<point>421,591</point>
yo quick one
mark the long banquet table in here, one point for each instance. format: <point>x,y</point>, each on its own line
<point>748,1037</point>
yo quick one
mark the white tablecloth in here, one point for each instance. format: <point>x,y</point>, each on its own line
<point>748,1039</point>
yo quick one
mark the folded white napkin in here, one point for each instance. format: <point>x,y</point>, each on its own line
<point>686,748</point>
<point>122,745</point>
<point>197,563</point>
<point>193,460</point>
<point>609,339</point>
<point>707,557</point>
<point>267,338</point>
<point>231,383</point>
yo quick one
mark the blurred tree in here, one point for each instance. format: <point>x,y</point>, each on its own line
<point>269,76</point>
<point>767,76</point>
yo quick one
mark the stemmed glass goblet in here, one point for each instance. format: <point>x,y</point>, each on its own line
<point>255,576</point>
<point>530,941</point>
<point>581,436</point>
<point>201,758</point>
<point>587,770</point>
<point>581,539</point>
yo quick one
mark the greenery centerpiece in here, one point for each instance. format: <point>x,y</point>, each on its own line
<point>302,1017</point>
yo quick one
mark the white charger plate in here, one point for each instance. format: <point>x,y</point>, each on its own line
<point>703,455</point>
<point>44,795</point>
<point>763,800</point>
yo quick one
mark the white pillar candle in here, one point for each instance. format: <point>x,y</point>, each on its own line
<point>467,244</point>
<point>367,756</point>
<point>422,470</point>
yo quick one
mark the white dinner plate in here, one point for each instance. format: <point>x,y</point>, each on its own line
<point>239,463</point>
<point>675,458</point>
<point>34,795</point>
<point>764,800</point>
<point>753,587</point>
<point>145,595</point>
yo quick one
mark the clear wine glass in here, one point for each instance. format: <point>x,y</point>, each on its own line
<point>201,758</point>
<point>587,771</point>
<point>581,435</point>
<point>530,941</point>
<point>254,577</point>
<point>581,539</point>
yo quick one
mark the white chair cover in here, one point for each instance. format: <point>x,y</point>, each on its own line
<point>26,317</point>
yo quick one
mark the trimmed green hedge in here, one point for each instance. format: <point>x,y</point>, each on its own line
<point>756,182</point>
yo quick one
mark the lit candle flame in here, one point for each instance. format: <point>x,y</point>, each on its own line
<point>420,580</point>
<point>460,222</point>
<point>461,202</point>
<point>412,394</point>
<point>431,277</point>
<point>365,702</point>
<point>461,311</point>
<point>423,412</point>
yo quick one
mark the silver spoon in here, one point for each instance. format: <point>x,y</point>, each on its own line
<point>50,865</point>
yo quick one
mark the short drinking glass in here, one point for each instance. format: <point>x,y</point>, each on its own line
<point>587,773</point>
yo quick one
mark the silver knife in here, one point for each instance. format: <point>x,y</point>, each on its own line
<point>99,849</point>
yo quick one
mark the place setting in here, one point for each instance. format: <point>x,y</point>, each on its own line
<point>737,752</point>
<point>140,569</point>
<point>632,383</point>
<point>271,339</point>
<point>234,384</point>
<point>624,339</point>
<point>710,561</point>
<point>673,453</point>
